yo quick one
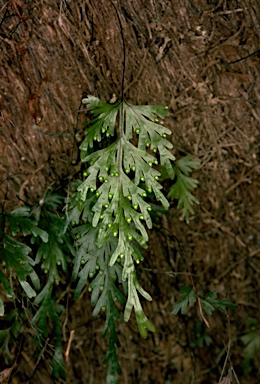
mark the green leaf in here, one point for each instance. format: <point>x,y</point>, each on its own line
<point>16,255</point>
<point>103,288</point>
<point>187,164</point>
<point>51,255</point>
<point>151,135</point>
<point>107,114</point>
<point>183,185</point>
<point>49,311</point>
<point>120,209</point>
<point>19,221</point>
<point>111,355</point>
<point>53,202</point>
<point>44,300</point>
<point>28,289</point>
<point>56,251</point>
<point>188,297</point>
<point>133,302</point>
<point>202,336</point>
<point>112,200</point>
<point>58,364</point>
<point>210,302</point>
<point>143,324</point>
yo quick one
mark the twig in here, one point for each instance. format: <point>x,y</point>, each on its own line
<point>168,273</point>
<point>229,12</point>
<point>69,345</point>
<point>242,179</point>
<point>234,373</point>
<point>202,315</point>
<point>65,321</point>
<point>226,359</point>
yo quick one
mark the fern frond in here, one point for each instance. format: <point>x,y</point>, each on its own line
<point>183,185</point>
<point>209,303</point>
<point>103,286</point>
<point>117,181</point>
<point>19,221</point>
<point>111,210</point>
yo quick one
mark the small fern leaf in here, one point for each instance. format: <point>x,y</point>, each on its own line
<point>19,221</point>
<point>103,124</point>
<point>133,302</point>
<point>210,302</point>
<point>183,186</point>
<point>188,297</point>
<point>16,255</point>
<point>187,164</point>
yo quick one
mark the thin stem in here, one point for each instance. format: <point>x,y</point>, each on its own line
<point>121,135</point>
<point>124,51</point>
<point>119,162</point>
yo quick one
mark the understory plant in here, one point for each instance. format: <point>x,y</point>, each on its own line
<point>103,229</point>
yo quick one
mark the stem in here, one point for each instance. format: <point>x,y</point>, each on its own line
<point>121,135</point>
<point>119,160</point>
<point>124,49</point>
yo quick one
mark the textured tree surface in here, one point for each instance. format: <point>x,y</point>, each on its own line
<point>201,58</point>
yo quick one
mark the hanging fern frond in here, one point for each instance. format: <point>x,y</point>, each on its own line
<point>111,207</point>
<point>120,176</point>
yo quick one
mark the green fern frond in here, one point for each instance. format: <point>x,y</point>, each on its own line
<point>111,208</point>
<point>208,303</point>
<point>15,254</point>
<point>19,221</point>
<point>49,310</point>
<point>120,176</point>
<point>93,263</point>
<point>183,185</point>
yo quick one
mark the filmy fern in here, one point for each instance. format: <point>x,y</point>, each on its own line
<point>110,207</point>
<point>15,255</point>
<point>52,255</point>
<point>120,176</point>
<point>108,214</point>
<point>181,189</point>
<point>54,247</point>
<point>208,303</point>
